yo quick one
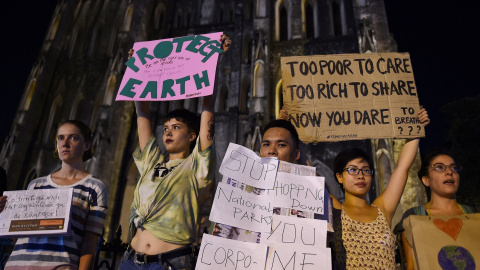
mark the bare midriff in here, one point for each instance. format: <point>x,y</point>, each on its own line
<point>145,242</point>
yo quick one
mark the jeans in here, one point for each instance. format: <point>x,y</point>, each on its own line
<point>185,262</point>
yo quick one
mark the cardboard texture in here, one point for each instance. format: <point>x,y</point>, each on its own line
<point>351,96</point>
<point>444,242</point>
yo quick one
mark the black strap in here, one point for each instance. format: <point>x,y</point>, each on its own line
<point>143,258</point>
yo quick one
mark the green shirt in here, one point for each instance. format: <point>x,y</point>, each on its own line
<point>168,206</point>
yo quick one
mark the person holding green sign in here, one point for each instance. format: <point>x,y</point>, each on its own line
<point>169,193</point>
<point>363,239</point>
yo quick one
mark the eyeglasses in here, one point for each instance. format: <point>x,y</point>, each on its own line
<point>356,171</point>
<point>440,167</point>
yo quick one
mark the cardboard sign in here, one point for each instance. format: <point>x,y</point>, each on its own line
<point>236,207</point>
<point>36,212</point>
<point>444,242</point>
<point>296,231</point>
<point>244,165</point>
<point>171,69</point>
<point>351,96</point>
<point>303,193</point>
<point>225,254</point>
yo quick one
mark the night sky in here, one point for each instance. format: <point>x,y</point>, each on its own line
<point>439,35</point>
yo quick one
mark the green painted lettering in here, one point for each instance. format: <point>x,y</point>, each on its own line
<point>182,81</point>
<point>167,88</point>
<point>199,80</point>
<point>129,86</point>
<point>150,88</point>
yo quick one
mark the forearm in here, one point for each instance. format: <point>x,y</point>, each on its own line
<point>88,250</point>
<point>408,252</point>
<point>207,121</point>
<point>144,125</point>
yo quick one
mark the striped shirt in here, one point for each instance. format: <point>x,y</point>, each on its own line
<point>88,213</point>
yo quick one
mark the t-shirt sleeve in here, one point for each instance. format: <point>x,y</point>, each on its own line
<point>98,209</point>
<point>203,164</point>
<point>399,228</point>
<point>148,158</point>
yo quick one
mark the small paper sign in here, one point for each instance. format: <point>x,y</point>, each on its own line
<point>303,193</point>
<point>244,165</point>
<point>36,212</point>
<point>236,207</point>
<point>225,254</point>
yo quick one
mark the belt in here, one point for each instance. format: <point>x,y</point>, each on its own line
<point>142,258</point>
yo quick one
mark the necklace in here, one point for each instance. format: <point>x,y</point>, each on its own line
<point>428,208</point>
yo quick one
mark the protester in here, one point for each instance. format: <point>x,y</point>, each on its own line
<point>440,175</point>
<point>280,139</point>
<point>73,146</point>
<point>363,239</point>
<point>170,190</point>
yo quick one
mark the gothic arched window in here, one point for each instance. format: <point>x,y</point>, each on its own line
<point>109,92</point>
<point>309,20</point>
<point>127,20</point>
<point>281,21</point>
<point>159,18</point>
<point>52,118</point>
<point>259,80</point>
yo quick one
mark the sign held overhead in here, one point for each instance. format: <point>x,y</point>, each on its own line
<point>351,96</point>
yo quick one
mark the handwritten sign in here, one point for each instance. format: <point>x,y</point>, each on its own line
<point>351,96</point>
<point>236,207</point>
<point>220,253</point>
<point>296,231</point>
<point>290,257</point>
<point>303,193</point>
<point>246,166</point>
<point>171,69</point>
<point>36,212</point>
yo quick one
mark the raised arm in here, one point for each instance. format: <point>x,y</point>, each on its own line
<point>207,121</point>
<point>389,199</point>
<point>144,125</point>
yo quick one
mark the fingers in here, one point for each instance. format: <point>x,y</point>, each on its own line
<point>226,42</point>
<point>130,53</point>
<point>423,116</point>
<point>3,201</point>
<point>283,114</point>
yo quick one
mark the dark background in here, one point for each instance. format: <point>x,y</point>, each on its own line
<point>440,37</point>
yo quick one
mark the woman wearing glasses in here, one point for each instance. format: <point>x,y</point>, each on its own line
<point>363,239</point>
<point>440,175</point>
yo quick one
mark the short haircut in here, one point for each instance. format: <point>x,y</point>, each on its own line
<point>427,160</point>
<point>280,123</point>
<point>192,120</point>
<point>84,131</point>
<point>342,159</point>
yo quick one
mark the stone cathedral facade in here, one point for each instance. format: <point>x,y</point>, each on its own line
<point>81,64</point>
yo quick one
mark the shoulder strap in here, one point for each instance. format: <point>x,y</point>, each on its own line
<point>420,210</point>
<point>467,209</point>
